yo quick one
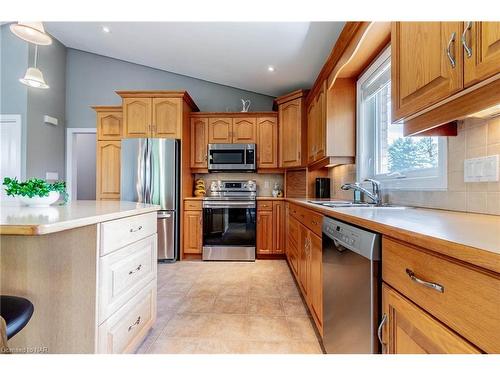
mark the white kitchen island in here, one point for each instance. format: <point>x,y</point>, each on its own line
<point>88,267</point>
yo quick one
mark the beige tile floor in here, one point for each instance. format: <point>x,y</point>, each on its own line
<point>228,307</point>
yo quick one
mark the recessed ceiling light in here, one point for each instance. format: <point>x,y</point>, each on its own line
<point>106,29</point>
<point>270,68</point>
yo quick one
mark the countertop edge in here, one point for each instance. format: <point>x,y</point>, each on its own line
<point>483,258</point>
<point>41,229</point>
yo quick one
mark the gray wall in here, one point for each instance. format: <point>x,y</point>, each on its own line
<point>92,80</point>
<point>13,95</point>
<point>85,165</point>
<point>46,143</point>
<point>43,145</point>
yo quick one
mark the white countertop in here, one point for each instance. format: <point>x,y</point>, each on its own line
<point>24,220</point>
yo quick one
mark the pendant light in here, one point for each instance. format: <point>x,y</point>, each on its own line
<point>34,76</point>
<point>32,32</point>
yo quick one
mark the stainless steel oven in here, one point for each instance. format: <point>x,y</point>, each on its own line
<point>231,157</point>
<point>229,221</point>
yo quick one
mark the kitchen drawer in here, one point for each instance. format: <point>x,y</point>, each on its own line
<point>121,232</point>
<point>293,231</point>
<point>311,219</point>
<point>125,329</point>
<point>125,272</point>
<point>469,303</point>
<point>190,205</point>
<point>264,205</point>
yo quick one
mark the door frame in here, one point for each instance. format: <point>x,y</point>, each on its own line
<point>71,168</point>
<point>15,120</point>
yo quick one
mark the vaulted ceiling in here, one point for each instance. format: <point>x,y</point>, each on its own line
<point>236,54</point>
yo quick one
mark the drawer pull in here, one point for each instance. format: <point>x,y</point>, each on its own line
<point>137,269</point>
<point>313,222</point>
<point>136,323</point>
<point>379,332</point>
<point>132,230</point>
<point>428,284</point>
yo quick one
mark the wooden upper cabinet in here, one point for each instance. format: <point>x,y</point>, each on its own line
<point>244,130</point>
<point>292,131</point>
<point>108,170</point>
<point>427,64</point>
<point>267,142</point>
<point>167,117</point>
<point>219,130</point>
<point>320,113</point>
<point>137,117</point>
<point>311,132</point>
<point>316,126</point>
<point>410,330</point>
<point>481,51</point>
<point>109,123</point>
<point>199,142</point>
<point>264,232</point>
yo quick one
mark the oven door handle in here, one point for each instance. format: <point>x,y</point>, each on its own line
<point>228,205</point>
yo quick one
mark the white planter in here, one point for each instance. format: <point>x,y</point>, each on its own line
<point>37,201</point>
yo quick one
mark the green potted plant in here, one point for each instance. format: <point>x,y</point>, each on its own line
<point>35,192</point>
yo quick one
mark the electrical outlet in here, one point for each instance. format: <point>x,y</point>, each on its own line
<point>481,169</point>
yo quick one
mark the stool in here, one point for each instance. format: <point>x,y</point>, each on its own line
<point>17,312</point>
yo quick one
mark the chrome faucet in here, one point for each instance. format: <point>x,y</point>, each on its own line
<point>374,195</point>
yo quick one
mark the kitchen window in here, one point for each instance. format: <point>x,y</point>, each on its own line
<point>384,153</point>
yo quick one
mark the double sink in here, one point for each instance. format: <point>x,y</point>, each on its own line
<point>344,204</point>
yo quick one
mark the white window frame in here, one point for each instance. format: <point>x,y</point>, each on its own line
<point>365,164</point>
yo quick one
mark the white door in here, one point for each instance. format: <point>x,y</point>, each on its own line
<point>10,150</point>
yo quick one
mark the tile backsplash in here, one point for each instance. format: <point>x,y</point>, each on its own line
<point>265,181</point>
<point>476,138</point>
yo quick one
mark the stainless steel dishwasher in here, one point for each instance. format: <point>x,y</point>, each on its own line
<point>351,288</point>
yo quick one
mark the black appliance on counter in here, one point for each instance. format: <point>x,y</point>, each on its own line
<point>322,187</point>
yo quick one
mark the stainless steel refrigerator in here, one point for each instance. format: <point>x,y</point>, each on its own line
<point>150,174</point>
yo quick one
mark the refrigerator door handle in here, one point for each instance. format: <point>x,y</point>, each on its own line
<point>147,163</point>
<point>141,170</point>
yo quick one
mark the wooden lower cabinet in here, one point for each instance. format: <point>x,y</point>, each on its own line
<point>316,279</point>
<point>270,227</point>
<point>410,330</point>
<point>108,170</point>
<point>264,232</point>
<point>278,227</point>
<point>192,229</point>
<point>304,260</point>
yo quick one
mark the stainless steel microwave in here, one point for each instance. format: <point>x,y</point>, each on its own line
<point>231,157</point>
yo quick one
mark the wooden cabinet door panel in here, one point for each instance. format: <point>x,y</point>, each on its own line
<point>137,117</point>
<point>219,130</point>
<point>304,261</point>
<point>483,39</point>
<point>278,227</point>
<point>264,232</point>
<point>311,131</point>
<point>422,73</point>
<point>316,278</point>
<point>320,141</point>
<point>167,117</point>
<point>192,228</point>
<point>410,330</point>
<point>108,170</point>
<point>267,142</point>
<point>290,120</point>
<point>199,142</point>
<point>244,130</point>
<point>109,126</point>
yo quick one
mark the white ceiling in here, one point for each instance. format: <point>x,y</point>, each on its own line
<point>230,53</point>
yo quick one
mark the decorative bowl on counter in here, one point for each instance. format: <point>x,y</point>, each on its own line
<point>37,201</point>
